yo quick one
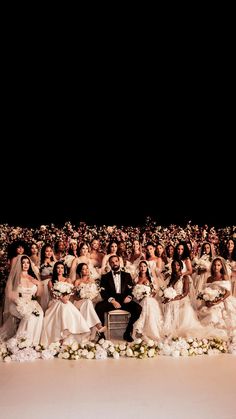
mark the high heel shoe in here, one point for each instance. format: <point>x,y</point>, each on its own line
<point>102,329</point>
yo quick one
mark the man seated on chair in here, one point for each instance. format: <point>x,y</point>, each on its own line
<point>116,291</point>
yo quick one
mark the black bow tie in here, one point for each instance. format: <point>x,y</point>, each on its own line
<point>116,272</point>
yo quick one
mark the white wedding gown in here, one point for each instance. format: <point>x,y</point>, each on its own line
<point>150,321</point>
<point>86,308</point>
<point>180,319</point>
<point>31,326</point>
<point>61,321</point>
<point>223,314</point>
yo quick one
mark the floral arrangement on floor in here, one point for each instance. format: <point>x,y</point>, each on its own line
<point>19,349</point>
<point>190,347</point>
<point>105,348</point>
<point>89,290</point>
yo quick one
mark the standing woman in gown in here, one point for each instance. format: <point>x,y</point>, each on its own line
<point>96,255</point>
<point>112,250</point>
<point>182,253</point>
<point>46,268</point>
<point>72,254</point>
<point>203,267</point>
<point>15,249</point>
<point>84,257</point>
<point>136,254</point>
<point>22,313</point>
<point>229,254</point>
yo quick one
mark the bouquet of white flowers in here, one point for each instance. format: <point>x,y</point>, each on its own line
<point>201,265</point>
<point>210,294</point>
<point>89,290</point>
<point>140,291</point>
<point>167,293</point>
<point>60,289</point>
<point>26,307</point>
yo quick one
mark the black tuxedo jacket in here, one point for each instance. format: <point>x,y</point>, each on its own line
<point>108,288</point>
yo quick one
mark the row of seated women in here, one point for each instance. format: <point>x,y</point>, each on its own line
<point>23,313</point>
<point>71,312</point>
<point>158,256</point>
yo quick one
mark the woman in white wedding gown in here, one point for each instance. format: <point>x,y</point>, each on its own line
<point>220,312</point>
<point>62,321</point>
<point>180,319</point>
<point>86,293</point>
<point>150,323</point>
<point>22,313</point>
<point>84,257</point>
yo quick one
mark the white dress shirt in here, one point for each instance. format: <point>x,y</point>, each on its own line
<point>117,282</point>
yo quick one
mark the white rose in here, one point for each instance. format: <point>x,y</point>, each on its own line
<point>175,353</point>
<point>65,355</point>
<point>116,355</point>
<point>90,355</point>
<point>7,359</point>
<point>74,346</point>
<point>105,344</point>
<point>122,346</point>
<point>151,353</point>
<point>129,352</point>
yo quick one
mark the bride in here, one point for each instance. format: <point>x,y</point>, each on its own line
<point>150,322</point>
<point>22,313</point>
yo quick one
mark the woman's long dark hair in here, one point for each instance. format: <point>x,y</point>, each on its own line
<point>54,272</point>
<point>148,272</point>
<point>30,271</point>
<point>174,277</point>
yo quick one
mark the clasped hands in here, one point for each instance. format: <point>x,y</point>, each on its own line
<point>116,304</point>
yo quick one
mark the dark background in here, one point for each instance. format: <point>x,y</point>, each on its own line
<point>123,188</point>
<point>180,167</point>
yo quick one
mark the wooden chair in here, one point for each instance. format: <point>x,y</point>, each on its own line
<point>117,321</point>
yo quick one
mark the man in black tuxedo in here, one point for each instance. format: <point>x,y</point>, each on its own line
<point>116,292</point>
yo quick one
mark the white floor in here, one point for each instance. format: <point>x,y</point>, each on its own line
<point>163,387</point>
